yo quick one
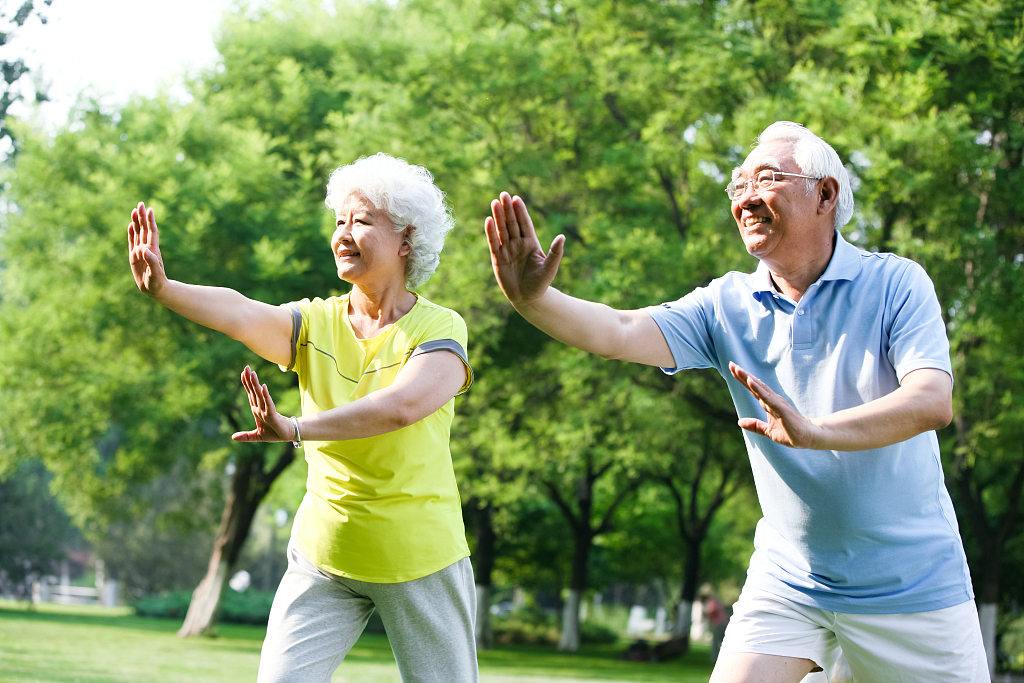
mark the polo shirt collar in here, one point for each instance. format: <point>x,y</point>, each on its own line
<point>844,265</point>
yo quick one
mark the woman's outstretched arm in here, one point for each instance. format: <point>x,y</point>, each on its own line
<point>265,329</point>
<point>426,383</point>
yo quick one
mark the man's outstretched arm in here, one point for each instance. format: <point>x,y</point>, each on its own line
<point>923,402</point>
<point>525,273</point>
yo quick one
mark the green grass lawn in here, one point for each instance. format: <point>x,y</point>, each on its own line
<point>55,644</point>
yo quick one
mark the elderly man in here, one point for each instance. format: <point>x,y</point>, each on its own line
<point>838,365</point>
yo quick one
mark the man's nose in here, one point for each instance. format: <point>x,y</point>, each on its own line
<point>748,196</point>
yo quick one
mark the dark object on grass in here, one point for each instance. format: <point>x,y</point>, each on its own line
<point>670,649</point>
<point>638,651</point>
<point>641,651</point>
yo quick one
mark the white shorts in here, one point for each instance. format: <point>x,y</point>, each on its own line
<point>925,647</point>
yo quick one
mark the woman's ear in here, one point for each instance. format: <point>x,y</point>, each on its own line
<point>406,247</point>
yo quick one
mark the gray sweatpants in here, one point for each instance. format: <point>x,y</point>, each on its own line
<point>316,618</point>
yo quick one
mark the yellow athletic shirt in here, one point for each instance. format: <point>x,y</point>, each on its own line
<point>383,509</point>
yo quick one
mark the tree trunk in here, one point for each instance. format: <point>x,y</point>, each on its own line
<point>570,640</point>
<point>688,593</point>
<point>988,601</point>
<point>484,557</point>
<point>684,619</point>
<point>987,612</point>
<point>249,485</point>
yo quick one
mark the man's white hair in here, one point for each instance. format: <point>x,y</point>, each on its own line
<point>815,157</point>
<point>408,195</point>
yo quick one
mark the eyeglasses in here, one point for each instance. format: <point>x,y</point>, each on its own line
<point>761,182</point>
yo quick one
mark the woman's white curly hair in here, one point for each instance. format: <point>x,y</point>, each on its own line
<point>408,195</point>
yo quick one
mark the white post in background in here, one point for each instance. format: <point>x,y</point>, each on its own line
<point>659,620</point>
<point>101,579</point>
<point>110,596</point>
<point>698,625</point>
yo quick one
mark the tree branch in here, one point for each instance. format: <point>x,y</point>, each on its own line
<point>556,498</point>
<point>681,222</point>
<point>606,520</point>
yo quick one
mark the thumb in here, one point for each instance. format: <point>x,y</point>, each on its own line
<point>152,259</point>
<point>554,256</point>
<point>753,425</point>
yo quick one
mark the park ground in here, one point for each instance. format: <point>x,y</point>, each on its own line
<point>57,644</point>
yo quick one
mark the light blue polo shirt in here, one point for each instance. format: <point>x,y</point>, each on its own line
<point>867,532</point>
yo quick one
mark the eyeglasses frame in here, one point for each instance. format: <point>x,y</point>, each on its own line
<point>755,190</point>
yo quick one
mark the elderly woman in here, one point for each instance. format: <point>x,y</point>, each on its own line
<point>380,525</point>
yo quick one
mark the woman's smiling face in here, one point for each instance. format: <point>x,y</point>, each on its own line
<point>365,243</point>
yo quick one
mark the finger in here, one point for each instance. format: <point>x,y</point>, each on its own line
<point>135,230</point>
<point>752,425</point>
<point>257,390</point>
<point>737,372</point>
<point>498,212</point>
<point>511,222</point>
<point>523,219</point>
<point>247,385</point>
<point>270,401</point>
<point>254,394</point>
<point>154,232</point>
<point>140,216</point>
<point>493,241</point>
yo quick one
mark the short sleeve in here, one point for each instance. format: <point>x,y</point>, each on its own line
<point>917,333</point>
<point>687,325</point>
<point>299,311</point>
<point>448,333</point>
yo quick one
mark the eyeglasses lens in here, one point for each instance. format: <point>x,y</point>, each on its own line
<point>761,182</point>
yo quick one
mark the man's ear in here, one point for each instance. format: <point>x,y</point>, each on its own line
<point>828,195</point>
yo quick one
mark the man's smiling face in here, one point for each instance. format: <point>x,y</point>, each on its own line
<point>776,222</point>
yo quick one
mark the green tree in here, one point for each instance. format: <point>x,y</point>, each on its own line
<point>34,530</point>
<point>12,17</point>
<point>107,389</point>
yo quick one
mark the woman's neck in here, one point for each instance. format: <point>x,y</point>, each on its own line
<point>370,310</point>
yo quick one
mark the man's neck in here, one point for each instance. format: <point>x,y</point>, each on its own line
<point>794,280</point>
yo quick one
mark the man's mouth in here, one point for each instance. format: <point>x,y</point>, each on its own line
<point>751,221</point>
<point>347,254</point>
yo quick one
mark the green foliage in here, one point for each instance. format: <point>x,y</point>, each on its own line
<point>250,607</point>
<point>166,545</point>
<point>531,626</point>
<point>597,634</point>
<point>526,627</point>
<point>34,531</point>
<point>1012,643</point>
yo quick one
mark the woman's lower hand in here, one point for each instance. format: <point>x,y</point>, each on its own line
<point>271,426</point>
